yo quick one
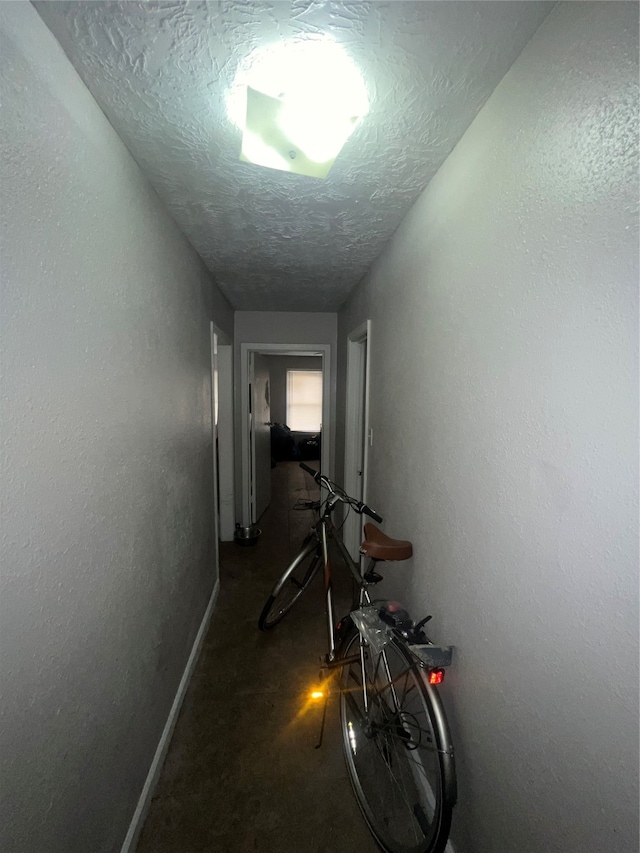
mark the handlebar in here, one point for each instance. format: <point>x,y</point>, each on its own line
<point>340,495</point>
<point>315,474</point>
<point>363,508</point>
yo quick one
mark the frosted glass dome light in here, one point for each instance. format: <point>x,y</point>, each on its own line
<point>315,96</point>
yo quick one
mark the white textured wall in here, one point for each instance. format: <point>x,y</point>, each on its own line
<point>106,487</point>
<point>504,409</point>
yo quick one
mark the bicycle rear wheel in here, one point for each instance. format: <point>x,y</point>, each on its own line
<point>397,749</point>
<point>291,585</point>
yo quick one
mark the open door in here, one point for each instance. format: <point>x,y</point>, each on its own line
<point>357,434</point>
<point>225,459</point>
<point>214,443</point>
<point>260,434</point>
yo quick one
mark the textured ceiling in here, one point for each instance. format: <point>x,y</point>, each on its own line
<point>277,241</point>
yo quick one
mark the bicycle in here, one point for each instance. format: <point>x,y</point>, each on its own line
<point>395,736</point>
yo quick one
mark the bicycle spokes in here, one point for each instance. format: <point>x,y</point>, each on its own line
<point>391,748</point>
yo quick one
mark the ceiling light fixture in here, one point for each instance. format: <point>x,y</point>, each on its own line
<point>297,103</point>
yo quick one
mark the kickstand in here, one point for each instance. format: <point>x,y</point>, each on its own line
<point>324,717</point>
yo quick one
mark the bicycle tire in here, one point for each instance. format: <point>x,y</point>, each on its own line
<point>399,759</point>
<point>291,585</point>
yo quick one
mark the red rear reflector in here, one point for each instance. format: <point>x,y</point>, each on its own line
<point>436,676</point>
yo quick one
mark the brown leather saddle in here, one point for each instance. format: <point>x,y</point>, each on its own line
<point>379,546</point>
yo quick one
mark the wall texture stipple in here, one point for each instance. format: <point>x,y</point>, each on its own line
<point>106,548</point>
<point>504,354</point>
<point>162,73</point>
<point>504,358</point>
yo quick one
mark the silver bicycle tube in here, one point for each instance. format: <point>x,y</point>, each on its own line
<point>328,594</point>
<point>302,555</point>
<point>354,567</point>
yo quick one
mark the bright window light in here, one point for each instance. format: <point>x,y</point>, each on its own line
<point>304,400</point>
<point>297,102</point>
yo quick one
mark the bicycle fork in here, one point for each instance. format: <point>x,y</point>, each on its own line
<point>332,663</point>
<point>328,593</point>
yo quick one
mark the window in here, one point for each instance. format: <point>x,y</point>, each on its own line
<point>304,400</point>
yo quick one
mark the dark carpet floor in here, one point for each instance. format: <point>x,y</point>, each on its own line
<point>242,773</point>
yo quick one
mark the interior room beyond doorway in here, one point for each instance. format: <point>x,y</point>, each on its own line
<point>296,413</point>
<point>287,412</point>
<point>296,407</point>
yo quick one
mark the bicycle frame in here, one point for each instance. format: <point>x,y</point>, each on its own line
<point>387,669</point>
<point>325,530</point>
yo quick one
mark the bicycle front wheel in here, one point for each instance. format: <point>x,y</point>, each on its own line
<point>397,748</point>
<point>291,585</point>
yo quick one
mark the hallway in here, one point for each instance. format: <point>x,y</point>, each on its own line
<point>242,773</point>
<point>480,225</point>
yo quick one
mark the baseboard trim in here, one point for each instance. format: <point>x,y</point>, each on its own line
<point>148,788</point>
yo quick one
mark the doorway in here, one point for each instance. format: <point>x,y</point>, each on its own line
<point>222,429</point>
<point>259,433</point>
<point>250,507</point>
<point>358,436</point>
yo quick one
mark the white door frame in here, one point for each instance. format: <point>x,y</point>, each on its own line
<point>323,350</point>
<point>223,473</point>
<point>214,436</point>
<point>257,460</point>
<point>357,430</point>
<point>226,472</point>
